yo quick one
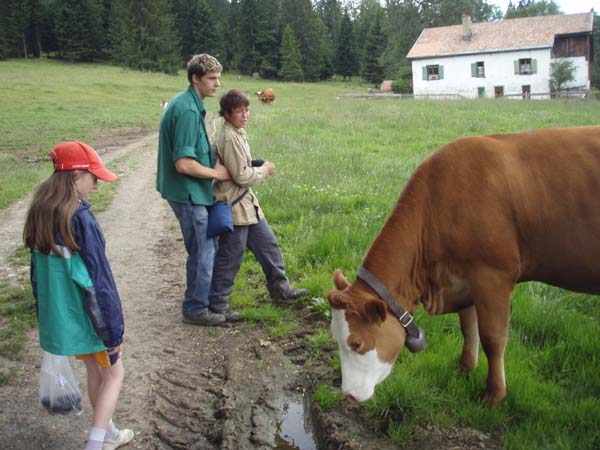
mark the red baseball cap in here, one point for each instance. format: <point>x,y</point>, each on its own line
<point>75,155</point>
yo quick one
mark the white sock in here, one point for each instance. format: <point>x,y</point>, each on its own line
<point>95,439</point>
<point>112,433</point>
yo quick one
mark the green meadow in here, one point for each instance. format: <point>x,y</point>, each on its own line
<point>341,164</point>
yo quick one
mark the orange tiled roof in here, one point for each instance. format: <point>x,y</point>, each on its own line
<point>526,32</point>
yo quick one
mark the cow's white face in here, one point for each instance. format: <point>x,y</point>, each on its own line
<point>360,372</point>
<point>369,338</point>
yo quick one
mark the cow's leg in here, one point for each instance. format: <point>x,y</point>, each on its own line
<point>491,292</point>
<point>468,326</point>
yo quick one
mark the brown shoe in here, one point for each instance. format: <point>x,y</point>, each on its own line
<point>289,294</point>
<point>207,318</point>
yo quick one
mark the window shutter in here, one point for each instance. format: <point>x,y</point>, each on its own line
<point>516,62</point>
<point>424,72</point>
<point>534,66</point>
<point>473,70</point>
<point>441,72</point>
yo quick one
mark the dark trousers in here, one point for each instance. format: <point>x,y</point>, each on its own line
<point>261,241</point>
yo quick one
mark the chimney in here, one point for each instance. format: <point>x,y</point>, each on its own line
<point>466,26</point>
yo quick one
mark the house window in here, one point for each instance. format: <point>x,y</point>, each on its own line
<point>526,90</point>
<point>498,91</point>
<point>525,66</point>
<point>433,72</point>
<point>478,70</point>
<point>481,91</point>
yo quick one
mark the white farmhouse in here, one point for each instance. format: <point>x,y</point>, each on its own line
<point>504,58</point>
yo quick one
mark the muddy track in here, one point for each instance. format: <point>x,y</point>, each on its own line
<point>186,387</point>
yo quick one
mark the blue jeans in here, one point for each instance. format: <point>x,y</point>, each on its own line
<point>201,255</point>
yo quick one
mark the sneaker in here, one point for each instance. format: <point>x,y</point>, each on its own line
<point>125,436</point>
<point>289,294</point>
<point>207,318</point>
<point>231,315</point>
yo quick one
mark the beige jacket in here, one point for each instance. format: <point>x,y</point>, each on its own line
<point>233,149</point>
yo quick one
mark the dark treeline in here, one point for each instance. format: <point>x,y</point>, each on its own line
<point>295,40</point>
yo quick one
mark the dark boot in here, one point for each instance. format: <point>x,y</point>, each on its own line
<point>207,318</point>
<point>288,294</point>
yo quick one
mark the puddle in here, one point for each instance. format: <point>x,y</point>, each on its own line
<point>295,431</point>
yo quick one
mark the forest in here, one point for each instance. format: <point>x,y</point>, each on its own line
<point>288,40</point>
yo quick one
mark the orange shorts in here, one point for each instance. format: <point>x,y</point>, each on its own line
<point>102,358</point>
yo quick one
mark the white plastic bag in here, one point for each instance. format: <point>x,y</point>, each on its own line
<point>59,390</point>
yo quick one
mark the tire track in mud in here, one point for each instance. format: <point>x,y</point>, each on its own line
<point>218,388</point>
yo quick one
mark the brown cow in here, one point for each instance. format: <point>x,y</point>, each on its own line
<point>266,96</point>
<point>476,217</point>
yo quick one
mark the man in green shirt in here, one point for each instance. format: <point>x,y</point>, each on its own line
<point>186,168</point>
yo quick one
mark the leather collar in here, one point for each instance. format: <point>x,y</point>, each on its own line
<point>404,317</point>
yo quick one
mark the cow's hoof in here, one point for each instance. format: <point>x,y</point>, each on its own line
<point>467,363</point>
<point>492,399</point>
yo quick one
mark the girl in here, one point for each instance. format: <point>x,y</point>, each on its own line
<point>78,306</point>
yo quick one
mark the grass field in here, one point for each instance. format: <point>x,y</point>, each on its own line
<point>341,164</point>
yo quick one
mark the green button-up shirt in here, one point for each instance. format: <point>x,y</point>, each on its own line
<point>183,134</point>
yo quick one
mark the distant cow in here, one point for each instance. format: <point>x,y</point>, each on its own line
<point>266,96</point>
<point>164,103</point>
<point>476,217</point>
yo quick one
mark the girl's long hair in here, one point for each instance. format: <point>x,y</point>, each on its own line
<point>55,201</point>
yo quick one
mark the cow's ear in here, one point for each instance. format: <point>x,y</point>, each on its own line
<point>375,311</point>
<point>337,300</point>
<point>360,345</point>
<point>340,280</point>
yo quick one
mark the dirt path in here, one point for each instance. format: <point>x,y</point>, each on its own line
<point>186,387</point>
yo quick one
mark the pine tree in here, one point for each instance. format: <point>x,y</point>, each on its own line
<point>307,30</point>
<point>402,28</point>
<point>218,16</point>
<point>230,38</point>
<point>197,28</point>
<point>267,43</point>
<point>374,47</point>
<point>147,33</point>
<point>330,12</point>
<point>21,16</point>
<point>326,54</point>
<point>312,51</point>
<point>291,64</point>
<point>248,57</point>
<point>47,27</point>
<point>346,62</point>
<point>78,29</point>
<point>118,32</point>
<point>33,30</point>
<point>367,10</point>
<point>7,49</point>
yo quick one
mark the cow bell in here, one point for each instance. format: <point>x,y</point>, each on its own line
<point>416,343</point>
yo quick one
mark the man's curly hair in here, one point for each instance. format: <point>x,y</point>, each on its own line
<point>201,64</point>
